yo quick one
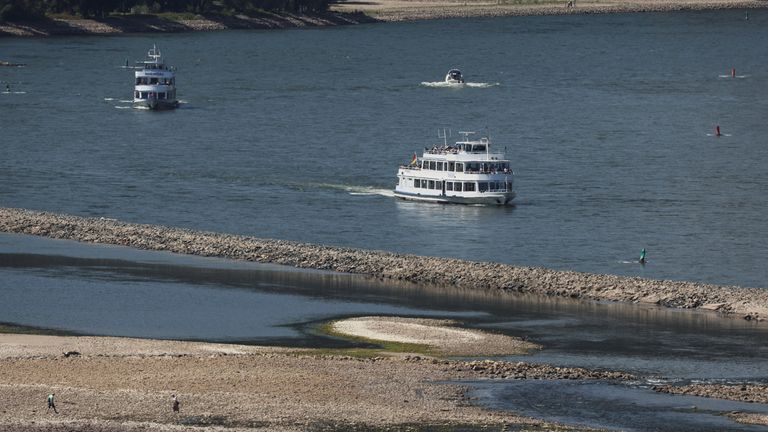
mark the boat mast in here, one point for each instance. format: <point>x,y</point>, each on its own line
<point>446,133</point>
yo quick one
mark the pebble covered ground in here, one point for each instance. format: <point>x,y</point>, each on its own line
<point>123,384</point>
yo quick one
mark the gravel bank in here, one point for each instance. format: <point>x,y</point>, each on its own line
<point>749,303</point>
<point>121,384</point>
<point>410,10</point>
<point>753,393</point>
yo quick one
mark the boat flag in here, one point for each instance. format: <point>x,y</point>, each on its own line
<point>414,159</point>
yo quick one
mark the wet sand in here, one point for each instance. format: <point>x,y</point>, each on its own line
<point>122,384</point>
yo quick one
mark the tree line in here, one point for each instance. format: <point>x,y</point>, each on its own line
<point>30,9</point>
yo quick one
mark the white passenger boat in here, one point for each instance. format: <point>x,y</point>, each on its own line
<point>454,77</point>
<point>468,172</point>
<point>155,86</point>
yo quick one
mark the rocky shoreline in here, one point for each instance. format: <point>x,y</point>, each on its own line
<point>155,24</point>
<point>747,303</point>
<point>753,393</point>
<point>359,12</point>
<point>411,10</point>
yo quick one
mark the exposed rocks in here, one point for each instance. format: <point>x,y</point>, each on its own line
<point>750,303</point>
<point>521,370</point>
<point>756,393</point>
<point>155,24</point>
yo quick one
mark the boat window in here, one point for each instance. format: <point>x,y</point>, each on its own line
<point>439,166</point>
<point>482,186</point>
<point>153,80</point>
<point>432,165</point>
<point>423,184</point>
<point>449,186</point>
<point>451,166</point>
<point>459,167</point>
<point>478,148</point>
<point>431,184</point>
<point>469,186</point>
<point>143,95</point>
<point>416,183</point>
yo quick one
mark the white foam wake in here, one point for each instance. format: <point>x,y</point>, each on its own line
<point>443,84</point>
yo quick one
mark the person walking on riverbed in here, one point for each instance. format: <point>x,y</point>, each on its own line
<point>175,403</point>
<point>51,403</point>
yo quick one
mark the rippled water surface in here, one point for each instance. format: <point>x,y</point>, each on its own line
<point>297,135</point>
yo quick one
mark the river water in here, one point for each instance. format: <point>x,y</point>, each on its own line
<point>297,135</point>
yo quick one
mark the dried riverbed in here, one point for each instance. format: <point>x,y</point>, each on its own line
<point>122,384</point>
<point>748,303</point>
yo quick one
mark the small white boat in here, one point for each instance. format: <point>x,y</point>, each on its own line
<point>155,86</point>
<point>454,77</point>
<point>468,172</point>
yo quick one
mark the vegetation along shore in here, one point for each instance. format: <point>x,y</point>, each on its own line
<point>82,17</point>
<point>747,303</point>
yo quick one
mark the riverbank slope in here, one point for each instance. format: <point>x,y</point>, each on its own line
<point>157,24</point>
<point>359,12</point>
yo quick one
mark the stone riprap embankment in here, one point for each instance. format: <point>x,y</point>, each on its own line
<point>754,393</point>
<point>750,303</point>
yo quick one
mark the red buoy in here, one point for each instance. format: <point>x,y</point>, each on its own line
<point>717,130</point>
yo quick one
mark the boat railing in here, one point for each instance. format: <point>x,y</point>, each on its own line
<point>468,171</point>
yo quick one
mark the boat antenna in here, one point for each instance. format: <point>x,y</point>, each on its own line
<point>446,133</point>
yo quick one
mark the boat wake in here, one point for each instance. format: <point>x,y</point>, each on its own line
<point>14,92</point>
<point>443,84</point>
<point>732,76</point>
<point>358,190</point>
<point>368,191</point>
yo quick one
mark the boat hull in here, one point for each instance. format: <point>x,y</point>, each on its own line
<point>482,198</point>
<point>156,105</point>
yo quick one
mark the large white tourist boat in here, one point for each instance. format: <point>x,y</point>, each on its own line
<point>155,86</point>
<point>468,172</point>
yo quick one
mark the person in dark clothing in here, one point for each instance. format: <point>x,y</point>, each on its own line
<point>51,403</point>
